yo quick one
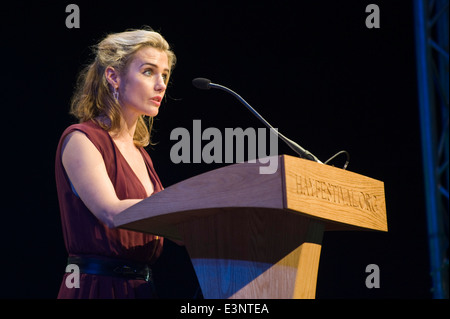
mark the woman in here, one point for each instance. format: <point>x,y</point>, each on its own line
<point>102,168</point>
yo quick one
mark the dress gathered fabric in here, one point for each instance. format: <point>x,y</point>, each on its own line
<point>85,235</point>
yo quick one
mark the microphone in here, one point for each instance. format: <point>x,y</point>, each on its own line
<point>201,83</point>
<point>206,84</point>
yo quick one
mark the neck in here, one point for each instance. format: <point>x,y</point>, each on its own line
<point>125,133</point>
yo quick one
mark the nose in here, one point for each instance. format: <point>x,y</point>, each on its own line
<point>160,85</point>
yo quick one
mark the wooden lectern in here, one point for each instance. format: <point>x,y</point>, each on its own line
<point>252,235</point>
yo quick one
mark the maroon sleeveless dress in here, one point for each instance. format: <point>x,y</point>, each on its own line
<point>85,235</point>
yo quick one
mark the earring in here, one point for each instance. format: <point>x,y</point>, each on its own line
<point>116,94</point>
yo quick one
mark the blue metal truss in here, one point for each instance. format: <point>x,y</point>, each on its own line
<point>432,57</point>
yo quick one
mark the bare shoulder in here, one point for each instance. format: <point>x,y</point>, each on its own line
<point>75,138</point>
<point>77,147</point>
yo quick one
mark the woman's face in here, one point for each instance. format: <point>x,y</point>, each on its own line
<point>142,88</point>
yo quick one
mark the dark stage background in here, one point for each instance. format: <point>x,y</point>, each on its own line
<point>312,68</point>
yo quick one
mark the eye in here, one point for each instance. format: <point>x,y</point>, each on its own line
<point>148,72</point>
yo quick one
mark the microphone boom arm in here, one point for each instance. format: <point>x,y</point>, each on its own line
<point>294,146</point>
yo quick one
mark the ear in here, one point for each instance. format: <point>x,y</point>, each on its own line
<point>112,76</point>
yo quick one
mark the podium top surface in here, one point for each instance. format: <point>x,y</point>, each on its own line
<point>343,199</point>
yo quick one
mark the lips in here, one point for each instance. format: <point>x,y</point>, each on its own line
<point>156,99</point>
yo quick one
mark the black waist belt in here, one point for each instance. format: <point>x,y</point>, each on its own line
<point>111,267</point>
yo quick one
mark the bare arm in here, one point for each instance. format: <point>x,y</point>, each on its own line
<point>87,172</point>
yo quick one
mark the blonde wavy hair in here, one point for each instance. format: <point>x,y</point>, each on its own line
<point>93,96</point>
